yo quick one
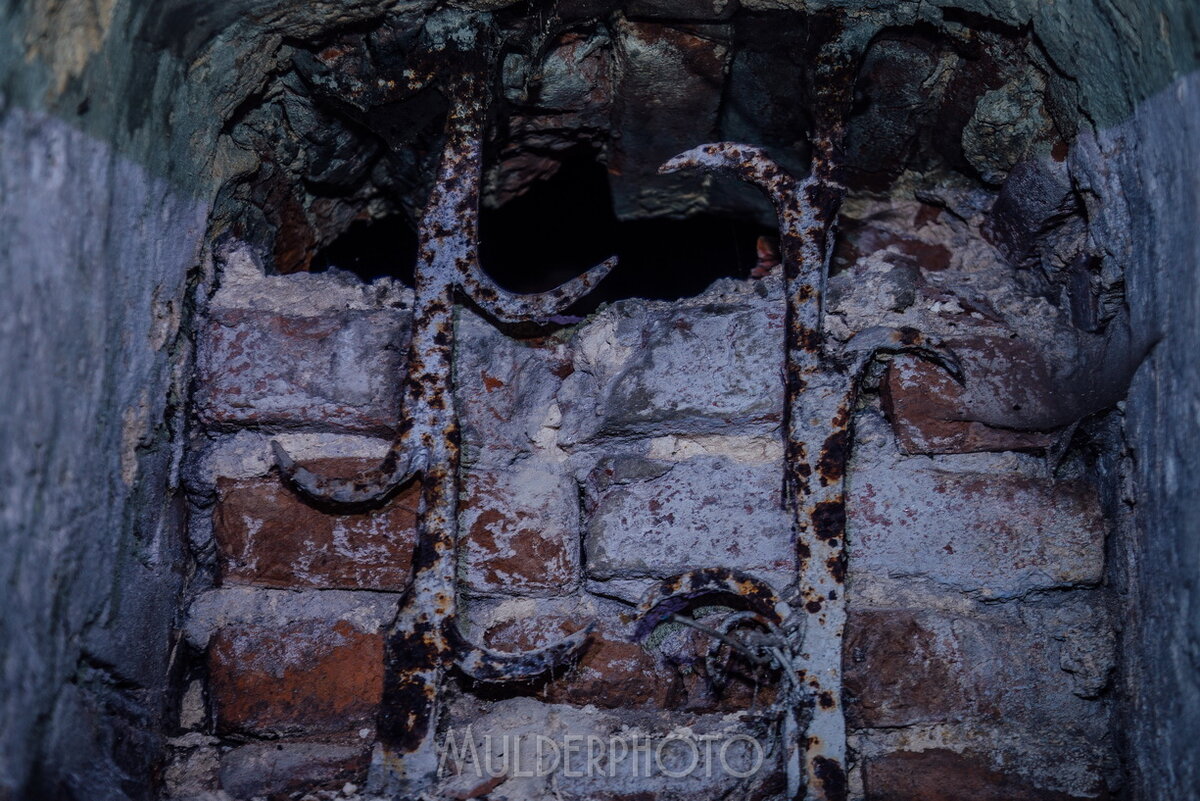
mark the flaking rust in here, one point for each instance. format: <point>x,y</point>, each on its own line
<point>426,640</point>
<point>821,386</point>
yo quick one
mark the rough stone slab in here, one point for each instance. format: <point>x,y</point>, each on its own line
<point>244,284</point>
<point>667,95</point>
<point>505,390</point>
<point>649,518</point>
<point>283,769</point>
<point>339,371</point>
<point>695,10</point>
<point>1145,173</point>
<point>368,612</point>
<point>1035,192</point>
<point>1032,669</point>
<point>193,766</point>
<point>321,676</point>
<point>520,530</point>
<point>994,534</point>
<point>97,245</point>
<point>573,84</point>
<point>266,535</point>
<point>691,369</point>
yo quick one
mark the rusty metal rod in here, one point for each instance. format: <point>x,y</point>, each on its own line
<point>821,386</point>
<point>426,639</point>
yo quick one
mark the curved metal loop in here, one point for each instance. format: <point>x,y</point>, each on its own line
<point>367,490</point>
<point>717,676</point>
<point>749,163</point>
<point>674,594</point>
<point>539,307</point>
<point>865,346</point>
<point>486,665</point>
<point>799,206</point>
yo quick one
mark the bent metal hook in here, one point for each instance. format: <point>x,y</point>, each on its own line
<point>426,639</point>
<point>821,386</point>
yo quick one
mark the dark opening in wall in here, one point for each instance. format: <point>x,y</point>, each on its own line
<point>565,224</point>
<point>372,249</point>
<point>561,227</point>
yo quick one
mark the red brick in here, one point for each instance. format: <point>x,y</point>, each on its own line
<point>315,677</point>
<point>861,238</point>
<point>521,531</point>
<point>340,371</point>
<point>897,673</point>
<point>930,413</point>
<point>267,536</point>
<point>942,775</point>
<point>905,667</point>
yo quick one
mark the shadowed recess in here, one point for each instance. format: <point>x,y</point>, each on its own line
<point>373,249</point>
<point>558,229</point>
<point>563,225</point>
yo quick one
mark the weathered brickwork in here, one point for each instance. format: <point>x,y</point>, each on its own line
<point>642,443</point>
<point>1020,185</point>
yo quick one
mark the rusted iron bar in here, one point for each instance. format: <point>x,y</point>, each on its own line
<point>821,386</point>
<point>426,639</point>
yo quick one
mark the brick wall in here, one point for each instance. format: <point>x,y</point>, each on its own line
<point>598,459</point>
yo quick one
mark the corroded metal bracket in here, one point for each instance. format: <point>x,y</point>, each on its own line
<point>821,386</point>
<point>426,639</point>
<point>776,641</point>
